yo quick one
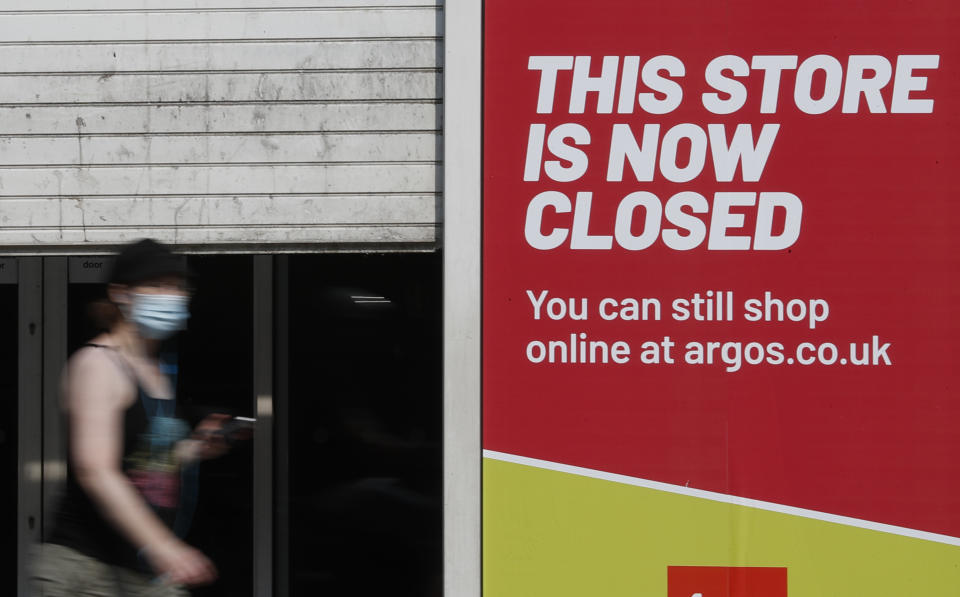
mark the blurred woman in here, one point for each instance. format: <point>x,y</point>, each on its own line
<point>112,535</point>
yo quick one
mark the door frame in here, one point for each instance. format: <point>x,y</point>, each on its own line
<point>29,413</point>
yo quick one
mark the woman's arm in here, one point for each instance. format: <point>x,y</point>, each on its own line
<point>97,393</point>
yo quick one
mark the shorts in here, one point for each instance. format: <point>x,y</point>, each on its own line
<point>59,571</point>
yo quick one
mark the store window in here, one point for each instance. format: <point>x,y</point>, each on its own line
<point>363,443</point>
<point>339,488</point>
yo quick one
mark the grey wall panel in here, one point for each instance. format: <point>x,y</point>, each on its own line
<point>183,180</point>
<point>15,6</point>
<point>187,119</point>
<point>241,148</point>
<point>218,87</point>
<point>340,237</point>
<point>231,124</point>
<point>219,56</point>
<point>171,211</point>
<point>225,24</point>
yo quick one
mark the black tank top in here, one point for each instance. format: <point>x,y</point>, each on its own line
<point>150,433</point>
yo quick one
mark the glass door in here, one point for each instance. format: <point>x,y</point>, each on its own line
<point>359,426</point>
<point>214,374</point>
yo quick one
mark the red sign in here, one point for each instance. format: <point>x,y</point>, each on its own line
<point>720,248</point>
<point>720,581</point>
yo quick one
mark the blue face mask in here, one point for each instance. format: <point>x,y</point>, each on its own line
<point>158,316</point>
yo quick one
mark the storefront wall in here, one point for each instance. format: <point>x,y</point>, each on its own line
<point>260,128</point>
<point>245,124</point>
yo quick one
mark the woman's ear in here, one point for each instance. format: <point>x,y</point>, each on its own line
<point>118,294</point>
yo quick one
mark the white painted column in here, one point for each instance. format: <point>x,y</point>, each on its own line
<point>461,296</point>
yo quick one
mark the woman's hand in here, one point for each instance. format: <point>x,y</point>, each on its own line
<point>177,563</point>
<point>208,433</point>
<point>207,440</point>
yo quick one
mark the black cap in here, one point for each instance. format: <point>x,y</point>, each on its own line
<point>144,260</point>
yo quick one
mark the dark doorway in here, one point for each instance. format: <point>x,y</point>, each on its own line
<point>365,425</point>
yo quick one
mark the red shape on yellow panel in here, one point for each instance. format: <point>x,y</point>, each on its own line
<point>726,581</point>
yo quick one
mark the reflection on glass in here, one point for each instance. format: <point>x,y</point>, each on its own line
<point>365,431</point>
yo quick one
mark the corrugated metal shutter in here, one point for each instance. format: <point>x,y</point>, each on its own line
<point>278,123</point>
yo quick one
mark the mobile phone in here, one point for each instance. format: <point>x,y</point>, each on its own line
<point>235,425</point>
